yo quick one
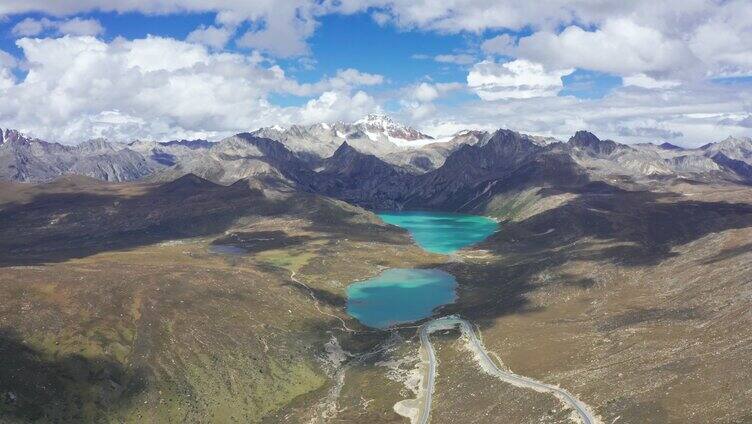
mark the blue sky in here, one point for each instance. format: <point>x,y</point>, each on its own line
<point>403,56</point>
<point>179,69</point>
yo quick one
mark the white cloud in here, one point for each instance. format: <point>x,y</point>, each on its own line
<point>334,105</point>
<point>645,81</point>
<point>7,60</point>
<point>416,101</point>
<point>722,41</point>
<point>277,27</point>
<point>715,32</point>
<point>380,18</point>
<point>345,80</point>
<point>31,27</point>
<point>282,28</point>
<point>6,78</point>
<point>417,110</point>
<point>458,59</point>
<point>428,92</point>
<point>352,77</point>
<point>620,46</point>
<point>503,44</point>
<point>737,121</point>
<point>78,26</point>
<point>690,116</point>
<point>152,90</point>
<point>425,92</point>
<point>211,36</point>
<point>519,79</point>
<point>82,87</point>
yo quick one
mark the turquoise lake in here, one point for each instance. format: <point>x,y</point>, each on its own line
<point>398,296</point>
<point>445,233</point>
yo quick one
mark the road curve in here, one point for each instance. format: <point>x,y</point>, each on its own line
<point>424,413</point>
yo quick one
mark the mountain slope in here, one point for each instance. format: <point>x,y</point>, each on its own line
<point>374,134</point>
<point>473,175</point>
<point>132,314</point>
<point>361,179</point>
<point>33,160</point>
<point>241,156</point>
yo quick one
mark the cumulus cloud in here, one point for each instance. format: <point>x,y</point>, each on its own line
<point>78,26</point>
<point>722,41</point>
<point>518,79</point>
<point>665,52</point>
<point>352,77</point>
<point>334,105</point>
<point>7,60</point>
<point>282,28</point>
<point>31,27</point>
<point>427,92</point>
<point>620,46</point>
<point>690,116</point>
<point>417,101</point>
<point>82,87</point>
<point>503,44</point>
<point>674,40</point>
<point>279,28</point>
<point>211,36</point>
<point>344,80</point>
<point>715,33</point>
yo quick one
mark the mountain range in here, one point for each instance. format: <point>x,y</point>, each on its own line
<point>198,281</point>
<point>380,164</point>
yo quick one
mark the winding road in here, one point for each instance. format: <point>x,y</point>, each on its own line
<point>488,366</point>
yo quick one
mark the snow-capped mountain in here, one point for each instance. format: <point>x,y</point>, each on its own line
<point>373,134</point>
<point>376,127</point>
<point>297,152</point>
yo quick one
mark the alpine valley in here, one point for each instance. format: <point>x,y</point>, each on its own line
<point>212,281</point>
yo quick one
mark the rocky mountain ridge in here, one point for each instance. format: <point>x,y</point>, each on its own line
<point>373,134</point>
<point>464,173</point>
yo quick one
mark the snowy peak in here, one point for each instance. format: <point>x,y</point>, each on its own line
<point>375,123</point>
<point>9,135</point>
<point>375,119</point>
<point>374,134</point>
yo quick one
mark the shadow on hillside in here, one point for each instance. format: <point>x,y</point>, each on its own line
<point>652,315</point>
<point>628,228</point>
<point>602,224</point>
<point>324,296</point>
<point>631,229</point>
<point>55,227</point>
<point>36,388</point>
<point>729,254</point>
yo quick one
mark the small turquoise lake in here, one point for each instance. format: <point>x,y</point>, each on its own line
<point>398,296</point>
<point>444,233</point>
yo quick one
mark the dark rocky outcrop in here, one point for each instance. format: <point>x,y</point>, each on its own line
<point>589,143</point>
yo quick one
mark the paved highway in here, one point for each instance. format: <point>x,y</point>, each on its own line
<point>424,414</point>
